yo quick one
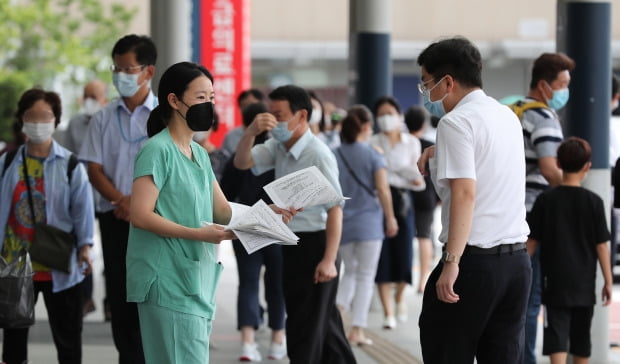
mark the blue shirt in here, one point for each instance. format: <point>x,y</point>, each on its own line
<point>363,215</point>
<point>68,204</point>
<point>114,137</point>
<point>231,140</point>
<point>307,151</point>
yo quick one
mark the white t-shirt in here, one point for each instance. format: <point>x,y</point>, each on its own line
<point>401,160</point>
<point>481,139</point>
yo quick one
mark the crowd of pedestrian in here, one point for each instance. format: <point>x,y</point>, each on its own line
<point>149,175</point>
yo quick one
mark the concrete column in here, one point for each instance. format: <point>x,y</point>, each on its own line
<point>370,63</point>
<point>584,34</point>
<point>171,31</point>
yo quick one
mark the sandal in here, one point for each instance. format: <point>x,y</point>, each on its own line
<point>360,342</point>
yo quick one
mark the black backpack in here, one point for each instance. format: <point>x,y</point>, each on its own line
<point>73,161</point>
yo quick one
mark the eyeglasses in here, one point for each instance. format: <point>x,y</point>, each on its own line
<point>131,69</point>
<point>422,89</point>
<point>425,91</point>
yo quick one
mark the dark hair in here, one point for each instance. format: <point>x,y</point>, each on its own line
<point>256,93</point>
<point>385,100</point>
<point>216,121</point>
<point>573,154</point>
<point>548,65</point>
<point>357,116</point>
<point>297,97</point>
<point>313,95</point>
<point>33,95</point>
<point>415,117</point>
<point>141,45</point>
<point>174,80</point>
<point>457,57</point>
<point>614,85</point>
<point>19,137</point>
<point>250,112</point>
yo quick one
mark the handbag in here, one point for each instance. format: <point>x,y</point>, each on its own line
<point>401,201</point>
<point>51,246</point>
<point>16,292</point>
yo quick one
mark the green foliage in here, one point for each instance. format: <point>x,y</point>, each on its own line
<point>43,41</point>
<point>12,85</point>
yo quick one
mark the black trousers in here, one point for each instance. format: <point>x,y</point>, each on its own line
<point>125,323</point>
<point>314,331</point>
<point>488,320</point>
<point>64,312</point>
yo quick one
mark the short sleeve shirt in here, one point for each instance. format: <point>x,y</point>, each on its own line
<point>401,160</point>
<point>363,215</point>
<point>568,222</point>
<point>480,139</point>
<point>306,152</point>
<point>181,274</point>
<point>114,137</point>
<point>542,135</point>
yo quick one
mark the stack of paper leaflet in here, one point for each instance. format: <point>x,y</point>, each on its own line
<point>259,226</point>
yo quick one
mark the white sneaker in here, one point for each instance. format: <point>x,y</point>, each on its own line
<point>277,351</point>
<point>389,322</point>
<point>401,312</point>
<point>249,352</point>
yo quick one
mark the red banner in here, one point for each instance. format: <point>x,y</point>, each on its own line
<point>225,51</point>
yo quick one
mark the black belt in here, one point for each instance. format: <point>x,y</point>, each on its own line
<point>496,250</point>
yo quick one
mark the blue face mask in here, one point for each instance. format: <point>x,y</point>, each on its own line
<point>281,132</point>
<point>434,107</point>
<point>126,83</point>
<point>559,99</point>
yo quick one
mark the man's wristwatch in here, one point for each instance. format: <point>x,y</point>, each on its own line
<point>447,257</point>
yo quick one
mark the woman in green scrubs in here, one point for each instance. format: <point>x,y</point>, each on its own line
<point>172,271</point>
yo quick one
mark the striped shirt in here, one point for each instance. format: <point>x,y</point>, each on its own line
<point>542,135</point>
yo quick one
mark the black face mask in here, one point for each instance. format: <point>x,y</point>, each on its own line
<point>199,117</point>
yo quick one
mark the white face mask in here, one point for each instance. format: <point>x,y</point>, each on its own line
<point>39,132</point>
<point>315,117</point>
<point>388,122</point>
<point>90,106</point>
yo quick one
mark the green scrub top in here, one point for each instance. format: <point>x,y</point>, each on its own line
<point>175,273</point>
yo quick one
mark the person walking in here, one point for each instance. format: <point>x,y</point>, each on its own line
<point>244,187</point>
<point>363,177</point>
<point>401,152</point>
<point>568,224</point>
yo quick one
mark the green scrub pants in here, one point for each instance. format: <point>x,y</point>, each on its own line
<point>172,337</point>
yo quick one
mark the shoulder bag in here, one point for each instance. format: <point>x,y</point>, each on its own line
<point>50,245</point>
